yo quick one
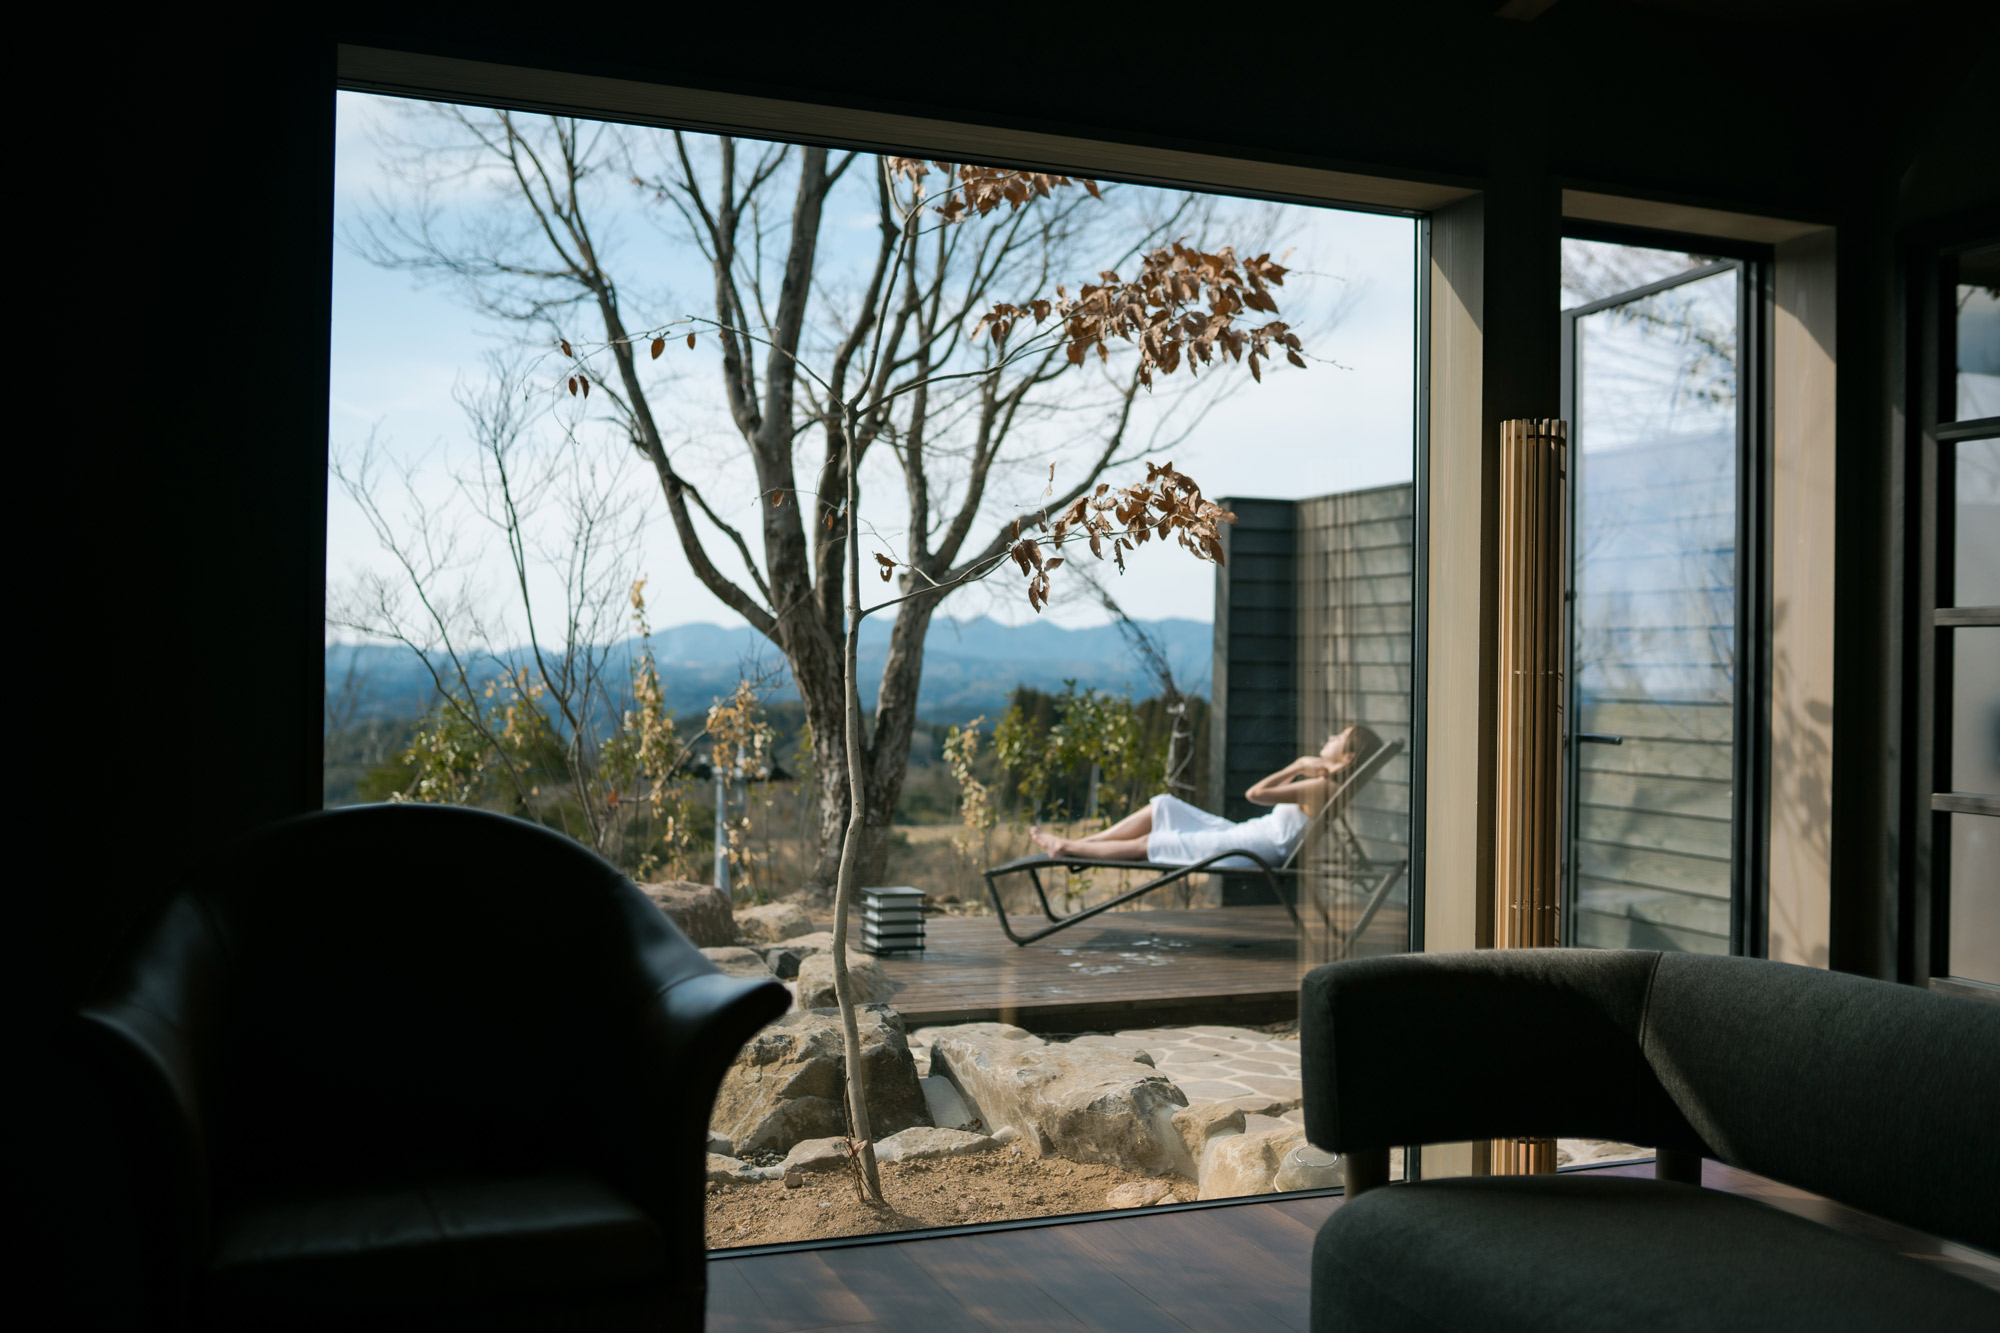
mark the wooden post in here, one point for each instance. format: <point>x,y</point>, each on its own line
<point>1528,714</point>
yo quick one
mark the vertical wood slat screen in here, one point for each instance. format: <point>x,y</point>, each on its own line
<point>1527,790</point>
<point>1527,853</point>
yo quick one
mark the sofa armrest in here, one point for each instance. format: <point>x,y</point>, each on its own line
<point>1439,1048</point>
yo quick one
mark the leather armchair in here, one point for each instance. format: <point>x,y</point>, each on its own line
<point>419,1067</point>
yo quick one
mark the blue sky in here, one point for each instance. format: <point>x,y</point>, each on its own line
<point>400,345</point>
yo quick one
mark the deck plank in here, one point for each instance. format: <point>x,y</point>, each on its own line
<point>1121,969</point>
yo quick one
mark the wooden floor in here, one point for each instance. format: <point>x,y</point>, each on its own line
<point>1118,970</point>
<point>1239,1269</point>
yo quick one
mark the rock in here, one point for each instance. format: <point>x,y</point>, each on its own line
<point>814,1155</point>
<point>916,1145</point>
<point>948,1109</point>
<point>1139,1194</point>
<point>782,961</point>
<point>700,910</point>
<point>1238,1164</point>
<point>1116,1046</point>
<point>726,1170</point>
<point>1066,1101</point>
<point>736,962</point>
<point>1307,1168</point>
<point>929,1036</point>
<point>1201,1122</point>
<point>805,946</point>
<point>870,982</point>
<point>772,922</point>
<point>719,1145</point>
<point>1006,1134</point>
<point>788,1082</point>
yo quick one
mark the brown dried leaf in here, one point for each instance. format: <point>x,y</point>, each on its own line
<point>659,346</point>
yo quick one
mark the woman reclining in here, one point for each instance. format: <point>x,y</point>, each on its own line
<point>1169,831</point>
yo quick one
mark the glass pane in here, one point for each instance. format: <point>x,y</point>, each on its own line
<point>690,739</point>
<point>1975,897</point>
<point>1979,334</point>
<point>1975,710</point>
<point>1654,628</point>
<point>1598,270</point>
<point>1976,557</point>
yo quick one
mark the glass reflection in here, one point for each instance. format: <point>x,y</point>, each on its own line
<point>1979,334</point>
<point>1975,711</point>
<point>1976,525</point>
<point>1975,897</point>
<point>1654,630</point>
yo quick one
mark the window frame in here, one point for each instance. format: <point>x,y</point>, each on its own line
<point>1924,953</point>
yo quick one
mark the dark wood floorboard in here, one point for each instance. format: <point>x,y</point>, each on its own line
<point>1101,1300</point>
<point>1239,1269</point>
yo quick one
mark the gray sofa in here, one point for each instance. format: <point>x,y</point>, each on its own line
<point>1883,1097</point>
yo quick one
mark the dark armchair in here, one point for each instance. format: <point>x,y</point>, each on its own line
<point>1877,1095</point>
<point>419,1067</point>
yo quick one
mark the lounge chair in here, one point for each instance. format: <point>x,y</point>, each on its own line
<point>1354,865</point>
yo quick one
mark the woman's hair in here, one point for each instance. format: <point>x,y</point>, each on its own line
<point>1362,743</point>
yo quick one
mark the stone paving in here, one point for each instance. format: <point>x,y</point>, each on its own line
<point>1241,1067</point>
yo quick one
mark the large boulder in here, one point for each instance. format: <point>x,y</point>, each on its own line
<point>772,923</point>
<point>1238,1164</point>
<point>870,983</point>
<point>1078,1102</point>
<point>700,910</point>
<point>735,962</point>
<point>789,1082</point>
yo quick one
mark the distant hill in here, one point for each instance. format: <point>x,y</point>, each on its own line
<point>970,666</point>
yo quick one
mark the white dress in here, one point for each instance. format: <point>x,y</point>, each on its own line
<point>1183,834</point>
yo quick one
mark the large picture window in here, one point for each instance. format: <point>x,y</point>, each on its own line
<point>594,390</point>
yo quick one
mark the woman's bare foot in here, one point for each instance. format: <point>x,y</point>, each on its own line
<point>1050,844</point>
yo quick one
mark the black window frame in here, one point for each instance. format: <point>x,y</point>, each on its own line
<point>1930,273</point>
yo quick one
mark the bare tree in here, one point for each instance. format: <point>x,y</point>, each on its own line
<point>507,685</point>
<point>913,356</point>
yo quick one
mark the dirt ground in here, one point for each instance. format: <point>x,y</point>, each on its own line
<point>987,1187</point>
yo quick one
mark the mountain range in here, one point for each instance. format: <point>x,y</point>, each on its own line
<point>970,666</point>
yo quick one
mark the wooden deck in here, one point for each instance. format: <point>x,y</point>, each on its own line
<point>1240,1268</point>
<point>1168,967</point>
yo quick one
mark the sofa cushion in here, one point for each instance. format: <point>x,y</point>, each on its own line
<point>1554,1253</point>
<point>428,1245</point>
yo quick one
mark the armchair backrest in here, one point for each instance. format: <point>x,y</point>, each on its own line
<point>396,986</point>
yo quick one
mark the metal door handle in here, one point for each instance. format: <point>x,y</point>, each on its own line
<point>1599,738</point>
